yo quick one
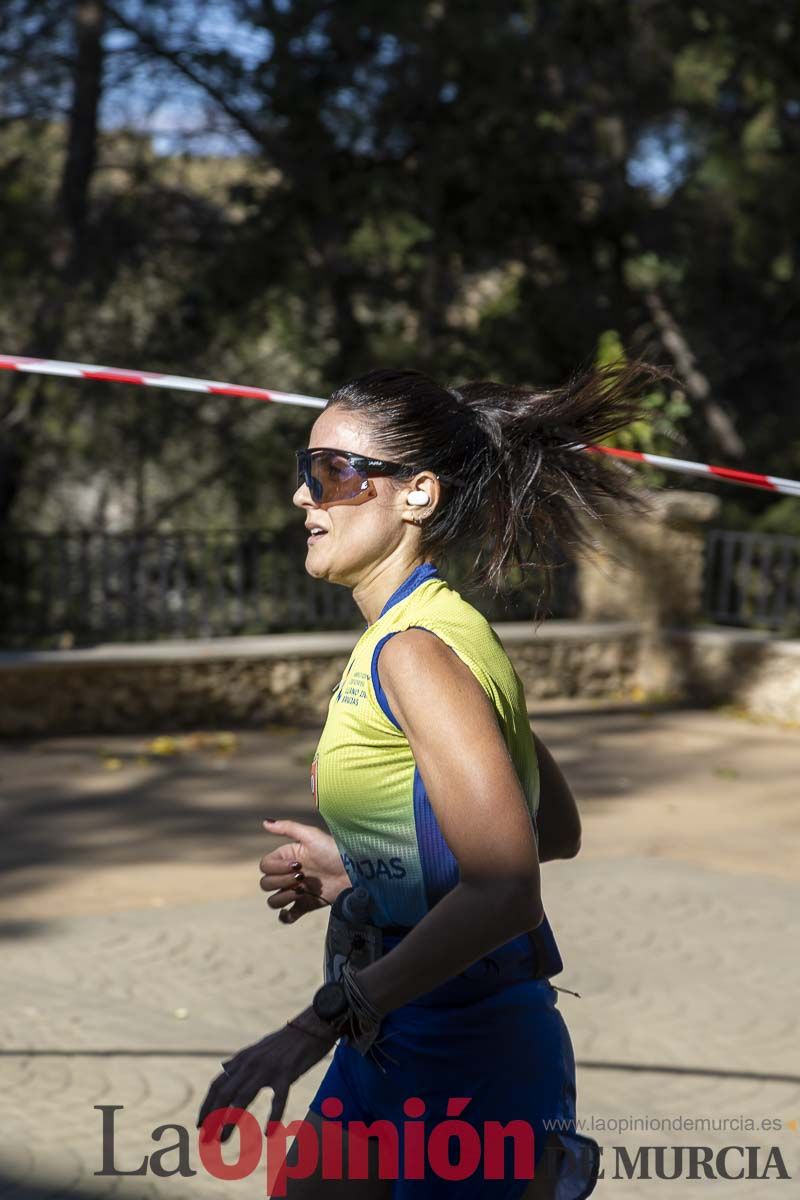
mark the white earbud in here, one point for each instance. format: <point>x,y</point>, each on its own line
<point>420,498</point>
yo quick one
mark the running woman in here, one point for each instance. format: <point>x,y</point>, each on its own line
<point>439,799</point>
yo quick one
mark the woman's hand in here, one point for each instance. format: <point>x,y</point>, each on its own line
<point>275,1062</point>
<point>306,873</point>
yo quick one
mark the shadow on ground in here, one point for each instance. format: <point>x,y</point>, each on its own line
<point>73,804</point>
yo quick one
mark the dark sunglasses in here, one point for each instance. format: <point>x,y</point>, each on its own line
<point>332,475</point>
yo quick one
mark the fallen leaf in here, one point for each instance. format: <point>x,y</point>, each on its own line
<point>163,745</point>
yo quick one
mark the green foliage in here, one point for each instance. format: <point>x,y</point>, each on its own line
<point>701,70</point>
<point>660,430</point>
<point>396,241</point>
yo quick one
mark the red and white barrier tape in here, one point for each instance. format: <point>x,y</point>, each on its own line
<point>181,383</point>
<point>770,483</point>
<point>70,370</point>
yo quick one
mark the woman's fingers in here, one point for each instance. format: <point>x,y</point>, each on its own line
<point>235,1091</point>
<point>237,1087</point>
<point>248,1085</point>
<point>272,883</point>
<point>282,898</point>
<point>293,892</point>
<point>280,861</point>
<point>279,1099</point>
<point>301,906</point>
<point>296,831</point>
<point>280,879</point>
<point>213,1097</point>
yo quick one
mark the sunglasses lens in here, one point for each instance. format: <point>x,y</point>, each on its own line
<point>330,477</point>
<point>306,476</point>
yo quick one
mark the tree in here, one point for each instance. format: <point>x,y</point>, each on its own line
<point>428,183</point>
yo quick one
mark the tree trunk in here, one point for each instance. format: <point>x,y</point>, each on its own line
<point>430,182</point>
<point>722,431</point>
<point>73,199</point>
<point>67,262</point>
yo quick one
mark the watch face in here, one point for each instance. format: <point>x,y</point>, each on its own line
<point>330,1001</point>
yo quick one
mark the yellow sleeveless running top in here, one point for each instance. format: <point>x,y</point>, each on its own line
<point>364,778</point>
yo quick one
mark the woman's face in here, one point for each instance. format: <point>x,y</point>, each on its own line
<point>362,532</point>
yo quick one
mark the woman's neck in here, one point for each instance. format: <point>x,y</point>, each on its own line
<point>372,592</point>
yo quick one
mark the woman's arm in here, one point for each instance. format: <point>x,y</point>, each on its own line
<point>558,822</point>
<point>479,804</point>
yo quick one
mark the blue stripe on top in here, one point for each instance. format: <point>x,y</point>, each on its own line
<point>380,695</point>
<point>418,575</point>
<point>439,864</point>
<point>424,571</point>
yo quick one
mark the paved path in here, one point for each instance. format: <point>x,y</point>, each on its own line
<point>136,949</point>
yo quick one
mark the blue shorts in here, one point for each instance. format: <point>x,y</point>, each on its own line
<point>505,1046</point>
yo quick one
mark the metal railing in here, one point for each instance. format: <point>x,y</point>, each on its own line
<point>753,579</point>
<point>81,588</point>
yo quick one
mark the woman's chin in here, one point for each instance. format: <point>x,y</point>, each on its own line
<point>317,567</point>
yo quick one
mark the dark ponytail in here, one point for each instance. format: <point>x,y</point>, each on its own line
<point>523,486</point>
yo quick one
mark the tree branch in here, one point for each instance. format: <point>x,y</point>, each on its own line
<point>177,60</point>
<point>720,425</point>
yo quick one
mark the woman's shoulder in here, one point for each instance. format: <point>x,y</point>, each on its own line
<point>460,623</point>
<point>422,675</point>
<point>438,648</point>
<point>436,620</point>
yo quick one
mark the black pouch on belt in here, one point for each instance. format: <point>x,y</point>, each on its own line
<point>350,937</point>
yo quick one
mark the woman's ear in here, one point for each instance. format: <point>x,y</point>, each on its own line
<point>421,497</point>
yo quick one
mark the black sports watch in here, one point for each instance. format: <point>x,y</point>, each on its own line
<point>330,1003</point>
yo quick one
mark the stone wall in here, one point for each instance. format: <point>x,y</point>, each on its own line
<point>754,671</point>
<point>288,678</point>
<point>283,678</point>
<point>648,570</point>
